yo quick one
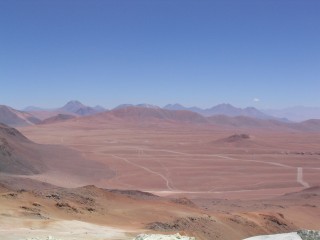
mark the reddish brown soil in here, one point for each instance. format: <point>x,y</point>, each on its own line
<point>226,189</point>
<point>135,212</point>
<point>191,160</point>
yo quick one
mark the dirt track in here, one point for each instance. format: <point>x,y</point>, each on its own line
<point>266,164</point>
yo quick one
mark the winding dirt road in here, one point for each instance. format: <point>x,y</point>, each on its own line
<point>299,176</point>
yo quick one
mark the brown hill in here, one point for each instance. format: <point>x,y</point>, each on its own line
<point>20,156</point>
<point>44,114</point>
<point>142,114</point>
<point>309,125</point>
<point>16,153</point>
<point>246,122</point>
<point>267,124</point>
<point>237,138</point>
<point>304,194</point>
<point>238,143</point>
<point>57,118</point>
<point>14,118</point>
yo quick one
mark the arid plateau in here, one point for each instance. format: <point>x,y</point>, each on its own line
<point>116,174</point>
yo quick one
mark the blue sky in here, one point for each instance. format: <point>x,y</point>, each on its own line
<point>200,53</point>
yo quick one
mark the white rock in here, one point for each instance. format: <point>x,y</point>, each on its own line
<point>163,237</point>
<point>282,236</point>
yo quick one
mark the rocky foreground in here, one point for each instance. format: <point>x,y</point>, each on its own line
<point>139,237</point>
<point>300,235</point>
<point>163,237</point>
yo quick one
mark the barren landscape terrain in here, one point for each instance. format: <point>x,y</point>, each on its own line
<point>189,159</point>
<point>113,177</point>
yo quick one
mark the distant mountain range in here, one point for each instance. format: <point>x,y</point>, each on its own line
<point>79,109</point>
<point>142,105</point>
<point>222,114</point>
<point>296,114</point>
<point>73,107</point>
<point>221,109</point>
<point>36,115</point>
<point>142,115</point>
<point>224,109</point>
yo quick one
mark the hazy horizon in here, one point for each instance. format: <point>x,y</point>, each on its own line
<point>263,54</point>
<point>161,106</point>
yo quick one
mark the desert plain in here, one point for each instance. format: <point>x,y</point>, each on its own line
<point>127,177</point>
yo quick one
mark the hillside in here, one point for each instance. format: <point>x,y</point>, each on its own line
<point>17,155</point>
<point>57,118</point>
<point>14,118</point>
<point>243,122</point>
<point>143,114</point>
<point>20,156</point>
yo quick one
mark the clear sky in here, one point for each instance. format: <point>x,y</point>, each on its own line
<point>262,53</point>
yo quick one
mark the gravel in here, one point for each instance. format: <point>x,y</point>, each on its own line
<point>309,234</point>
<point>163,237</point>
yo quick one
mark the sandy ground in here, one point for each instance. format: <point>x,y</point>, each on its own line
<point>188,160</point>
<point>63,229</point>
<point>242,188</point>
